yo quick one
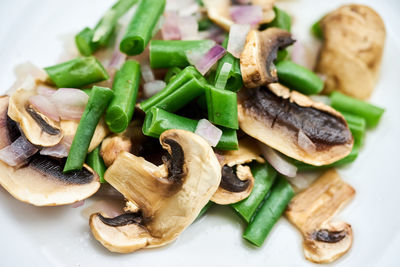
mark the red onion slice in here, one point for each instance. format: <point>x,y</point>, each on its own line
<point>204,62</point>
<point>61,150</point>
<point>209,132</point>
<point>305,143</point>
<point>70,103</point>
<point>152,88</point>
<point>19,151</point>
<point>237,38</point>
<point>170,29</point>
<point>246,14</point>
<point>78,204</point>
<point>45,90</point>
<point>280,164</point>
<point>188,28</point>
<point>45,106</point>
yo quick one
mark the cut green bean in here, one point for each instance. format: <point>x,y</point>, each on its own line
<point>172,53</point>
<point>98,101</point>
<point>282,55</point>
<point>205,209</point>
<point>269,213</point>
<point>125,87</point>
<point>205,24</point>
<point>83,41</point>
<point>316,30</point>
<point>282,20</point>
<point>157,121</point>
<point>222,107</point>
<point>299,78</point>
<point>372,114</point>
<point>357,126</point>
<point>185,87</point>
<point>141,27</point>
<point>264,176</point>
<point>171,74</point>
<point>77,72</point>
<point>95,161</point>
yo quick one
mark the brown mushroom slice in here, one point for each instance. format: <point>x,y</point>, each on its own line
<point>37,128</point>
<point>169,196</point>
<point>236,185</point>
<point>294,124</point>
<point>311,212</point>
<point>259,53</point>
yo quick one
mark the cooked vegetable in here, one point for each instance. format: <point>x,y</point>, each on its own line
<point>311,211</point>
<point>316,30</point>
<point>83,41</point>
<point>141,27</point>
<point>211,133</point>
<point>98,101</point>
<point>171,74</point>
<point>357,126</point>
<point>298,78</point>
<point>125,87</point>
<point>372,114</point>
<point>95,161</point>
<point>172,53</point>
<point>269,213</point>
<point>77,72</point>
<point>264,176</point>
<point>282,20</point>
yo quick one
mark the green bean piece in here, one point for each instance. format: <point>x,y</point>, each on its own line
<point>171,74</point>
<point>222,107</point>
<point>95,161</point>
<point>264,176</point>
<point>316,30</point>
<point>157,121</point>
<point>269,213</point>
<point>357,126</point>
<point>205,24</point>
<point>282,55</point>
<point>186,86</point>
<point>282,20</point>
<point>83,41</point>
<point>141,27</point>
<point>372,114</point>
<point>301,166</point>
<point>172,53</point>
<point>98,101</point>
<point>77,72</point>
<point>205,209</point>
<point>125,87</point>
<point>235,81</point>
<point>299,78</point>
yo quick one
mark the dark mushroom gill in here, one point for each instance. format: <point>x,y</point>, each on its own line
<point>175,161</point>
<point>230,181</point>
<point>281,41</point>
<point>327,236</point>
<point>123,219</point>
<point>321,127</point>
<point>47,128</point>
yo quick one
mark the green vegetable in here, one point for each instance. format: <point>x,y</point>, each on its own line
<point>205,24</point>
<point>126,84</point>
<point>141,27</point>
<point>186,86</point>
<point>269,213</point>
<point>83,41</point>
<point>171,74</point>
<point>98,101</point>
<point>372,114</point>
<point>205,209</point>
<point>264,176</point>
<point>282,55</point>
<point>316,30</point>
<point>222,107</point>
<point>167,54</point>
<point>282,20</point>
<point>95,161</point>
<point>357,126</point>
<point>77,72</point>
<point>157,121</point>
<point>299,78</point>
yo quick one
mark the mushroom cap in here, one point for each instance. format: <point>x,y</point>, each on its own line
<point>284,120</point>
<point>169,196</point>
<point>258,55</point>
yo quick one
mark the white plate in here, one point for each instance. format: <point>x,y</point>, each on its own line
<point>36,30</point>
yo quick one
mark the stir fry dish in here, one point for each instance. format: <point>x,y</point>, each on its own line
<point>170,107</point>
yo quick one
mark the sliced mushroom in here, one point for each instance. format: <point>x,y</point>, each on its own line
<point>267,7</point>
<point>169,196</point>
<point>311,212</point>
<point>237,181</point>
<point>259,53</point>
<point>294,124</point>
<point>37,128</point>
<point>354,39</point>
<point>41,182</point>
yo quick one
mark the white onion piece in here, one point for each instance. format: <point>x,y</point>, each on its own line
<point>223,76</point>
<point>188,27</point>
<point>280,164</point>
<point>170,29</point>
<point>209,132</point>
<point>204,62</point>
<point>152,88</point>
<point>305,143</point>
<point>237,38</point>
<point>147,72</point>
<point>27,68</point>
<point>78,204</point>
<point>45,106</point>
<point>117,59</point>
<point>61,150</point>
<point>321,99</point>
<point>19,151</point>
<point>45,90</point>
<point>70,103</point>
<point>247,14</point>
<point>190,9</point>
